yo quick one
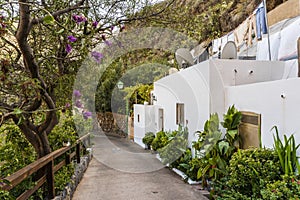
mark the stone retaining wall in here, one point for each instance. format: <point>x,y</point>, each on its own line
<point>80,168</point>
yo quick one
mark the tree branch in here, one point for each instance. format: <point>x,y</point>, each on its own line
<point>60,12</point>
<point>15,47</point>
<point>148,16</point>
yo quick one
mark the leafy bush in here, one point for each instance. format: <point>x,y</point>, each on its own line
<point>63,132</point>
<point>287,188</point>
<point>148,138</point>
<point>182,163</point>
<point>16,152</point>
<point>248,172</point>
<point>63,176</point>
<point>176,146</point>
<point>160,140</point>
<point>214,151</point>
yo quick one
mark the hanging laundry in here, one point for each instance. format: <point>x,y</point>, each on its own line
<point>261,24</point>
<point>217,45</point>
<point>252,29</point>
<point>241,33</point>
<point>230,36</point>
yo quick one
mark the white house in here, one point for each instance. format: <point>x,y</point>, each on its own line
<point>188,97</point>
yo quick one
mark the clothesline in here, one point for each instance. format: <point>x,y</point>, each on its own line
<point>250,29</point>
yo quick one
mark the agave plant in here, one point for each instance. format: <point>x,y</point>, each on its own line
<point>287,153</point>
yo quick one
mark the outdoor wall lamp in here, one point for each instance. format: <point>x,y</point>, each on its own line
<point>120,85</point>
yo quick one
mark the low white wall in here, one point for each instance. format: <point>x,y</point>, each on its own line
<point>241,72</point>
<point>144,121</point>
<point>275,109</point>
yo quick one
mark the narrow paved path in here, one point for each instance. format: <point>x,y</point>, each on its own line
<point>121,170</point>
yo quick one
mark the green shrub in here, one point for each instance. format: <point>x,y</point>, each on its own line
<point>160,140</point>
<point>248,172</point>
<point>63,132</point>
<point>287,188</point>
<point>175,148</point>
<point>148,138</point>
<point>16,152</point>
<point>63,176</point>
<point>182,163</point>
<point>193,167</point>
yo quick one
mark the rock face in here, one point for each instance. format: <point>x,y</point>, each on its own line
<point>231,14</point>
<point>204,19</point>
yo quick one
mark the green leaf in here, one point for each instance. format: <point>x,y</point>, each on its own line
<point>49,19</point>
<point>233,133</point>
<point>184,165</point>
<point>60,31</point>
<point>223,147</point>
<point>17,111</point>
<point>199,173</point>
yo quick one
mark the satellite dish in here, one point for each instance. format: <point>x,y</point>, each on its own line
<point>229,51</point>
<point>184,57</point>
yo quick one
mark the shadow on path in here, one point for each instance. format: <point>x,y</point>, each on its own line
<point>122,170</point>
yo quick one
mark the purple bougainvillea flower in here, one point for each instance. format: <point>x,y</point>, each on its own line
<point>119,44</point>
<point>79,18</point>
<point>122,28</point>
<point>68,105</point>
<point>108,43</point>
<point>87,114</point>
<point>95,24</point>
<point>2,25</point>
<point>112,28</point>
<point>97,56</point>
<point>68,48</point>
<point>76,93</point>
<point>71,38</point>
<point>78,103</point>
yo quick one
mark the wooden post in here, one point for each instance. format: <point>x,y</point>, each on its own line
<point>68,158</point>
<point>50,179</point>
<point>78,152</point>
<point>298,42</point>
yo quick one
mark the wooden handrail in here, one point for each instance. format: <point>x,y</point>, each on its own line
<point>28,170</point>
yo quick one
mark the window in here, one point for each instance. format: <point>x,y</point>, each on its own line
<point>180,113</point>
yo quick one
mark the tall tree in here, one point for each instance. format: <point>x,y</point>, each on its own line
<point>42,44</point>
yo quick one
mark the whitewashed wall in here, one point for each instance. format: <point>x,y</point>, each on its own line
<point>144,121</point>
<point>265,98</point>
<point>213,85</point>
<point>190,87</point>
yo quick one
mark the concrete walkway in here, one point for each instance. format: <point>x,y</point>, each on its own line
<point>122,170</point>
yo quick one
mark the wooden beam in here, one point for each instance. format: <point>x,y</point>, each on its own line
<point>25,172</point>
<point>28,193</point>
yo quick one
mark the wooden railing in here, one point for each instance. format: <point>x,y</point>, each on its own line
<point>46,162</point>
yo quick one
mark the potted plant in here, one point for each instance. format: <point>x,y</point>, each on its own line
<point>147,139</point>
